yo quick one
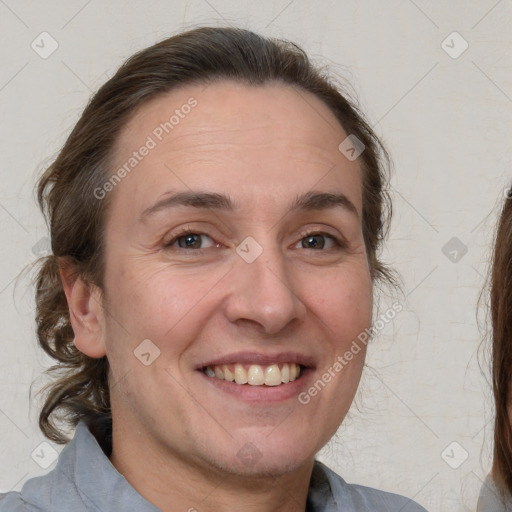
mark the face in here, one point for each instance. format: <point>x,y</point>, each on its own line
<point>217,254</point>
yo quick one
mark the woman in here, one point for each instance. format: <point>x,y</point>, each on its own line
<point>496,493</point>
<point>215,219</point>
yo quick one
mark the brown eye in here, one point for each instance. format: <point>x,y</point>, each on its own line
<point>189,240</point>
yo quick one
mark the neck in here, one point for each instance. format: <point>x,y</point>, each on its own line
<point>171,482</point>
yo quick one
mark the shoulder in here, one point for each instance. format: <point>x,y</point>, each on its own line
<point>12,502</point>
<point>491,500</point>
<point>53,491</point>
<point>82,480</point>
<point>38,494</point>
<point>383,501</point>
<point>353,497</point>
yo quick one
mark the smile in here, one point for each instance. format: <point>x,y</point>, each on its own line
<point>255,374</point>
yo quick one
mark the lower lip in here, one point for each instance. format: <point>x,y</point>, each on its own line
<point>263,393</point>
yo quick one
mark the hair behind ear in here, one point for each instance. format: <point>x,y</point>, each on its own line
<point>79,394</point>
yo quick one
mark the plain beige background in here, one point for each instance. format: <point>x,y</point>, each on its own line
<point>423,427</point>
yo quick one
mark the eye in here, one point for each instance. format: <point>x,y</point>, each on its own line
<point>317,240</point>
<point>188,239</point>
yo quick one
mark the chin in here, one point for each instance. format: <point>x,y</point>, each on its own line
<point>259,460</point>
<point>265,467</point>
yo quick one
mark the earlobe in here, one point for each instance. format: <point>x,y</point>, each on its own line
<point>85,311</point>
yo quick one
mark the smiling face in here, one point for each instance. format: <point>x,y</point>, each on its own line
<point>235,240</point>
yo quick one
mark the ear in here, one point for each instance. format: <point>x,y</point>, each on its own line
<point>85,311</point>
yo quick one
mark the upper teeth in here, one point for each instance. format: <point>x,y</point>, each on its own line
<point>255,375</point>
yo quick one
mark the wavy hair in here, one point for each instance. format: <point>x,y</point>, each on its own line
<point>501,319</point>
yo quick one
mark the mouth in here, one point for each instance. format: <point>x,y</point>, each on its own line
<point>257,377</point>
<point>252,374</point>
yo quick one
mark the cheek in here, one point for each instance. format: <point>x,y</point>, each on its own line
<point>160,301</point>
<point>345,304</point>
<point>152,300</point>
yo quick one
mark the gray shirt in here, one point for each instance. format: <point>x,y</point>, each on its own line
<point>84,479</point>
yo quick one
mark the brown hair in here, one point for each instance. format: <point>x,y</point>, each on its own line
<point>76,217</point>
<point>501,316</point>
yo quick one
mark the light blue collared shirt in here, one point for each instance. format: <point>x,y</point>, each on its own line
<point>84,479</point>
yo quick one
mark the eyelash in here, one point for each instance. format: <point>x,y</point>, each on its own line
<point>340,244</point>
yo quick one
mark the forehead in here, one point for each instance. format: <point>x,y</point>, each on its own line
<point>227,134</point>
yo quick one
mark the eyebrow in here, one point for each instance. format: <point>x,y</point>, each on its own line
<point>310,201</point>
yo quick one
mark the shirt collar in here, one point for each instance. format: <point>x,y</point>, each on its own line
<point>97,481</point>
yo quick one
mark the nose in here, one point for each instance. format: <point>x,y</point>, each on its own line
<point>264,293</point>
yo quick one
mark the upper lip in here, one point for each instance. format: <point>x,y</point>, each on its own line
<point>261,358</point>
